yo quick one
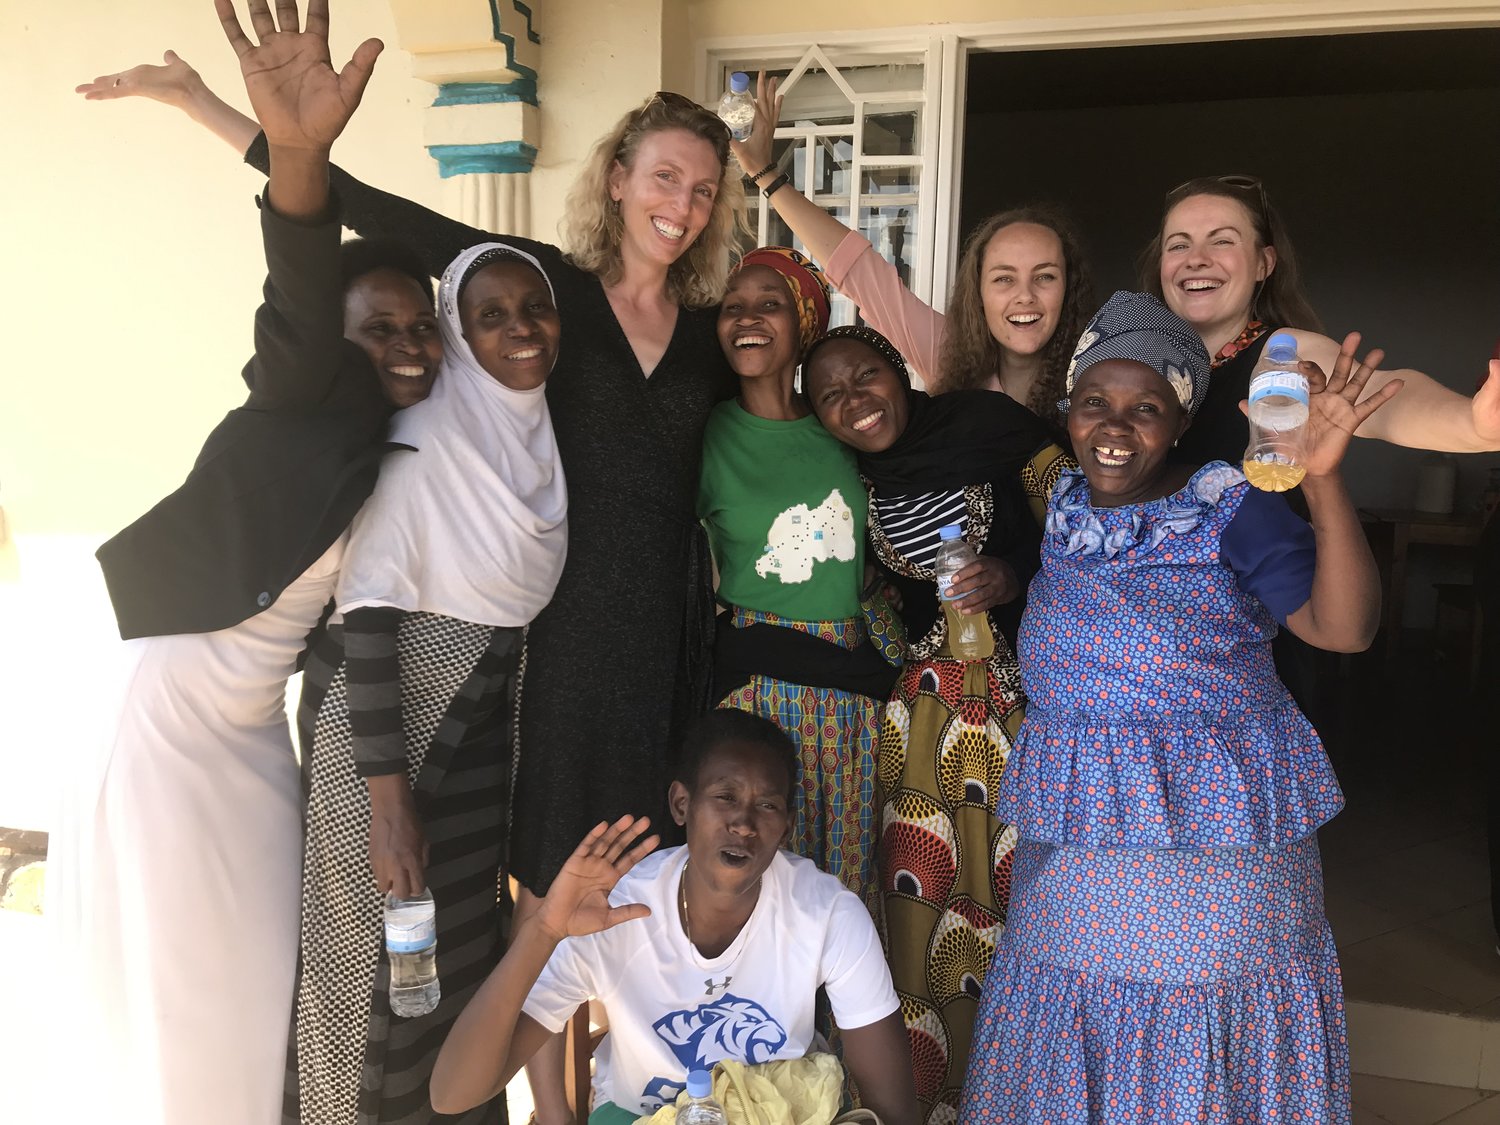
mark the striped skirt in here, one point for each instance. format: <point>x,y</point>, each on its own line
<point>836,734</point>
<point>351,1060</point>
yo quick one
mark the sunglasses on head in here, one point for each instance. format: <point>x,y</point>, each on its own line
<point>677,101</point>
<point>1240,182</point>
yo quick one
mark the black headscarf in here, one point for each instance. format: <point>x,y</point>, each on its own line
<point>951,441</point>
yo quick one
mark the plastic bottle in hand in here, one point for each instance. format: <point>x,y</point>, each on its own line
<point>737,106</point>
<point>969,635</point>
<point>701,1108</point>
<point>1278,413</point>
<point>411,943</point>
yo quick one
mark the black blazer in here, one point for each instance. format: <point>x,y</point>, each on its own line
<point>279,479</point>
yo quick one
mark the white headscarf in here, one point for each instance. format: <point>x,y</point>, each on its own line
<point>474,524</point>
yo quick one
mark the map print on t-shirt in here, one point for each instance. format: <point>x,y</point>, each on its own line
<point>801,536</point>
<point>727,1028</point>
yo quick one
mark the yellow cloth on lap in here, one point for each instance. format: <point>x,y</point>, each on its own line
<point>804,1091</point>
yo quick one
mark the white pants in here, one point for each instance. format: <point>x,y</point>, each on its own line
<point>175,880</point>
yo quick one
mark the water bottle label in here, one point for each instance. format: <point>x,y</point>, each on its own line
<point>410,937</point>
<point>1286,384</point>
<point>944,584</point>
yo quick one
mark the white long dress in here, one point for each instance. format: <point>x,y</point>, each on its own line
<point>176,873</point>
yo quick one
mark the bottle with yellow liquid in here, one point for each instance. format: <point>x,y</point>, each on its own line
<point>1278,413</point>
<point>969,635</point>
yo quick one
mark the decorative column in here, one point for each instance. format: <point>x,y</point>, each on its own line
<point>483,128</point>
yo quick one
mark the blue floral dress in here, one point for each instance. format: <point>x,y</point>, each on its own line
<point>1166,957</point>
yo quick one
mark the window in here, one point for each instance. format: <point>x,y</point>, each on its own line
<point>856,138</point>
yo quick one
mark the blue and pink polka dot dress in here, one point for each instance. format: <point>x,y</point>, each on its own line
<point>1166,957</point>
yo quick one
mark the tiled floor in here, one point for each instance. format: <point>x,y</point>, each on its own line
<point>1406,865</point>
<point>1386,1101</point>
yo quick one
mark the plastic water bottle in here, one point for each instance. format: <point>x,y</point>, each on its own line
<point>737,107</point>
<point>1278,412</point>
<point>969,635</point>
<point>411,943</point>
<point>701,1108</point>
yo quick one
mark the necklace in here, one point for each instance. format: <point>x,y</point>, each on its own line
<point>682,905</point>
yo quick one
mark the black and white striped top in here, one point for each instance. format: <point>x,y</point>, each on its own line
<point>911,523</point>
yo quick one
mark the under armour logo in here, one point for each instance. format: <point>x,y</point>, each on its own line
<point>710,986</point>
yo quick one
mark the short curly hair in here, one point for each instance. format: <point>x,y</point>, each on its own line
<point>727,725</point>
<point>360,256</point>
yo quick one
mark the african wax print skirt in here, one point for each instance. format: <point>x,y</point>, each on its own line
<point>835,732</point>
<point>944,858</point>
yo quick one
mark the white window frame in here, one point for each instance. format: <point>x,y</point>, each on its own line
<point>935,193</point>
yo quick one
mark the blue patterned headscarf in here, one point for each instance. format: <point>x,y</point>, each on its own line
<point>1139,327</point>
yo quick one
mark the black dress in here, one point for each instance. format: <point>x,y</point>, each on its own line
<point>620,660</point>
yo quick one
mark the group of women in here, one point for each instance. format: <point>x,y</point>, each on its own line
<point>529,569</point>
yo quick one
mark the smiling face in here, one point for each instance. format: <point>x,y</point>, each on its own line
<point>1022,282</point>
<point>510,323</point>
<point>758,327</point>
<point>1211,263</point>
<point>388,315</point>
<point>856,395</point>
<point>737,814</point>
<point>666,195</point>
<point>1122,419</point>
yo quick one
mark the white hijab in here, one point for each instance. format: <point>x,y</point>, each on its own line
<point>474,524</point>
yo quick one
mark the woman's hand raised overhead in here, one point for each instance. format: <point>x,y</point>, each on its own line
<point>300,100</point>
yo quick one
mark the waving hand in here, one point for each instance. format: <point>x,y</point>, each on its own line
<point>301,101</point>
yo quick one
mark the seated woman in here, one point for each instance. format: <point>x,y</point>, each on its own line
<point>174,874</point>
<point>971,458</point>
<point>786,517</point>
<point>707,952</point>
<point>1167,957</point>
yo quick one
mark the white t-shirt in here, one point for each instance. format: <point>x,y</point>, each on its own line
<point>672,1010</point>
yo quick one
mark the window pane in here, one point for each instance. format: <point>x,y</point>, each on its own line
<point>893,233</point>
<point>890,181</point>
<point>892,134</point>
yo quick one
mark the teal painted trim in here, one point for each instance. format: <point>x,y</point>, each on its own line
<point>510,40</point>
<point>487,93</point>
<point>525,11</point>
<point>500,156</point>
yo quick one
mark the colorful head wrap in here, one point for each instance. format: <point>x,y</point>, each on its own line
<point>805,280</point>
<point>1138,327</point>
<point>869,337</point>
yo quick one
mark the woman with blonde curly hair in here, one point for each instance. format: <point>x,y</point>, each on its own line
<point>1021,294</point>
<point>647,247</point>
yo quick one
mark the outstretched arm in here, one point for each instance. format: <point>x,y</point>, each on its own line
<point>492,1038</point>
<point>1427,415</point>
<point>177,84</point>
<point>861,274</point>
<point>1343,611</point>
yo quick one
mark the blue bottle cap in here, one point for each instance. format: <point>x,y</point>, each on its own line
<point>739,82</point>
<point>952,531</point>
<point>700,1084</point>
<point>1282,346</point>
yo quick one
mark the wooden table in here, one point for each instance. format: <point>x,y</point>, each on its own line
<point>1391,531</point>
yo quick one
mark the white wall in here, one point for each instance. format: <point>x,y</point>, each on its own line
<point>132,271</point>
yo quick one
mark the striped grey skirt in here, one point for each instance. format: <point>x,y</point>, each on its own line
<point>351,1061</point>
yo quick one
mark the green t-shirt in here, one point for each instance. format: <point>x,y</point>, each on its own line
<point>786,514</point>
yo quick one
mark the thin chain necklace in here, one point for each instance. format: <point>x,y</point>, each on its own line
<point>687,921</point>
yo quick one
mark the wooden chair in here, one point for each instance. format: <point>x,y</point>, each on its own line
<point>585,1030</point>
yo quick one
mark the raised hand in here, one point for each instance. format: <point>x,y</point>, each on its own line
<point>301,101</point>
<point>577,903</point>
<point>173,83</point>
<point>1334,407</point>
<point>1487,407</point>
<point>754,152</point>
